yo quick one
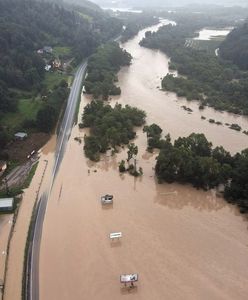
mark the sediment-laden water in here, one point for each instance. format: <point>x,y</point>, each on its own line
<point>184,243</point>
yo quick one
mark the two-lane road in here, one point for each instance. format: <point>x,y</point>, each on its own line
<point>32,277</point>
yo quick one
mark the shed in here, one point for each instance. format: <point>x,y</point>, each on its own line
<point>3,166</point>
<point>6,204</point>
<point>48,49</point>
<point>48,67</point>
<point>21,135</point>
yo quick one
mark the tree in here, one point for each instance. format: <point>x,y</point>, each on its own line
<point>132,150</point>
<point>46,118</point>
<point>3,140</point>
<point>237,191</point>
<point>110,126</point>
<point>152,131</point>
<point>196,142</point>
<point>122,167</point>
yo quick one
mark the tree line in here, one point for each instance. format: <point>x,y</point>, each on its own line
<point>110,127</point>
<point>235,46</point>
<point>102,70</point>
<point>193,160</point>
<point>134,22</point>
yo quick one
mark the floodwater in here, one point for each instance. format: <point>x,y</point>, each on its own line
<point>123,9</point>
<point>140,85</point>
<point>208,34</point>
<point>184,243</point>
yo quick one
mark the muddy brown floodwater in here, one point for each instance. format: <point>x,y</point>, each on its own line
<point>184,243</point>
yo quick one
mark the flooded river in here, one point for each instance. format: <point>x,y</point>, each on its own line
<point>208,34</point>
<point>183,243</point>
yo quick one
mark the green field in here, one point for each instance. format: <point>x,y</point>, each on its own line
<point>26,110</point>
<point>28,105</point>
<point>62,51</point>
<point>53,78</point>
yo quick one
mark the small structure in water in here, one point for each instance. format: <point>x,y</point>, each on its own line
<point>115,235</point>
<point>107,199</point>
<point>129,278</point>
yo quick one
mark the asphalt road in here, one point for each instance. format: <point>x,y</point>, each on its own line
<point>32,274</point>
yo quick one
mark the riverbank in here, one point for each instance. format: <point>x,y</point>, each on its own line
<point>14,276</point>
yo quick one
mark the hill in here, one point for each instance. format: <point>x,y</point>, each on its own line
<point>235,47</point>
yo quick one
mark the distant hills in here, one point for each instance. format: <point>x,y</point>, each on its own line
<point>82,3</point>
<point>235,47</point>
<point>165,3</point>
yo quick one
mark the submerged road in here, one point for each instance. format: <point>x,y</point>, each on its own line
<point>32,274</point>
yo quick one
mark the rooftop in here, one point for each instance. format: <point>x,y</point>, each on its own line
<point>2,163</point>
<point>6,202</point>
<point>21,134</point>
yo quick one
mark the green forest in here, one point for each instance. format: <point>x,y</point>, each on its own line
<point>109,127</point>
<point>211,80</point>
<point>235,46</point>
<point>135,22</point>
<point>102,70</point>
<point>193,160</point>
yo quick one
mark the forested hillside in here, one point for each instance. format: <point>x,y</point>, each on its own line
<point>52,25</point>
<point>135,22</point>
<point>28,26</point>
<point>235,47</point>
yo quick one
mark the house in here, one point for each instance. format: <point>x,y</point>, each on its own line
<point>40,51</point>
<point>48,49</point>
<point>56,63</point>
<point>48,67</point>
<point>3,167</point>
<point>21,136</point>
<point>6,204</point>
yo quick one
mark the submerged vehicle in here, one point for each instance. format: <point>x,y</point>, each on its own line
<point>107,199</point>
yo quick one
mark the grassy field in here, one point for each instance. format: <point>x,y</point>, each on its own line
<point>28,180</point>
<point>28,105</point>
<point>62,51</point>
<point>53,78</point>
<point>27,110</point>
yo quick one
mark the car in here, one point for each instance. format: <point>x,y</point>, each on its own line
<point>107,199</point>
